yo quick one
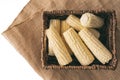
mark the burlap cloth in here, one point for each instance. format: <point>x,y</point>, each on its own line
<point>25,35</point>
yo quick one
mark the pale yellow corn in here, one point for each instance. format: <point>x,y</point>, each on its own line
<point>74,22</point>
<point>58,47</point>
<point>64,27</point>
<point>96,47</point>
<point>90,20</point>
<point>95,33</point>
<point>79,49</point>
<point>51,53</point>
<point>55,23</point>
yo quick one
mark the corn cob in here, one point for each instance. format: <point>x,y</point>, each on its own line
<point>81,52</point>
<point>64,27</point>
<point>96,47</point>
<point>95,32</point>
<point>74,22</point>
<point>56,24</point>
<point>51,53</point>
<point>89,20</point>
<point>58,47</point>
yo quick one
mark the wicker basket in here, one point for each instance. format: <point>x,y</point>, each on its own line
<point>107,38</point>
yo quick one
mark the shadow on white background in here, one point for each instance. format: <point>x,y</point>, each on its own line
<point>12,65</point>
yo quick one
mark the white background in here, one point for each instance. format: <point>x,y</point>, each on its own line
<point>12,65</point>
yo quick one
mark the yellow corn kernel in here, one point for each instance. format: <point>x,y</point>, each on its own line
<point>96,47</point>
<point>79,49</point>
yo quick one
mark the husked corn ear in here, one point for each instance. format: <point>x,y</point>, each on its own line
<point>79,49</point>
<point>74,22</point>
<point>96,47</point>
<point>95,33</point>
<point>58,47</point>
<point>55,23</point>
<point>51,53</point>
<point>89,20</point>
<point>64,27</point>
